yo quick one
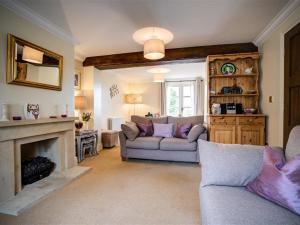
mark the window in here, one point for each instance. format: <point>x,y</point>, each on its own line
<point>180,98</point>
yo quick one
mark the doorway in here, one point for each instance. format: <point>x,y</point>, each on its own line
<point>291,81</point>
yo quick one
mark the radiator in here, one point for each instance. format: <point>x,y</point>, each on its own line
<point>114,123</point>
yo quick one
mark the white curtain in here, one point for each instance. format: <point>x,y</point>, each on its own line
<point>163,99</point>
<point>199,96</point>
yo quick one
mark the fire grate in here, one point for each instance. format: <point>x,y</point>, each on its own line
<point>36,169</point>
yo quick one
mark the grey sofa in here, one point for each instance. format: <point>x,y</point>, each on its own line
<point>233,205</point>
<point>157,148</point>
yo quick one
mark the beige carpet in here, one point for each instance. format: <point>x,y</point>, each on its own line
<point>116,192</point>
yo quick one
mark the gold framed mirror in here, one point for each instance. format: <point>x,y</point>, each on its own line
<point>32,65</point>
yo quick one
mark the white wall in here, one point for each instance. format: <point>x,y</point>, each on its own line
<point>105,106</point>
<point>272,81</point>
<point>16,95</point>
<point>96,87</point>
<point>151,98</point>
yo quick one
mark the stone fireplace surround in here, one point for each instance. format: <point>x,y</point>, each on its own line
<point>51,137</point>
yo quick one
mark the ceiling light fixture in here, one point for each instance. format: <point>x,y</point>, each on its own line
<point>32,55</point>
<point>154,40</point>
<point>158,78</point>
<point>158,70</point>
<point>159,74</point>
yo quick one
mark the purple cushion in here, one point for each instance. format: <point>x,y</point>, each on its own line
<point>183,130</point>
<point>278,181</point>
<point>145,129</point>
<point>163,130</point>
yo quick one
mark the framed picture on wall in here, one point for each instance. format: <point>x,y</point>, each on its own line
<point>77,80</point>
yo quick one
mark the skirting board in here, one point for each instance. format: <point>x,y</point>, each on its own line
<point>36,192</point>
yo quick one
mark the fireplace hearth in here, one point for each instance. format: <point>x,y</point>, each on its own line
<point>36,169</point>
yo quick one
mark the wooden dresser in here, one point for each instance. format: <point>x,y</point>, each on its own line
<point>237,129</point>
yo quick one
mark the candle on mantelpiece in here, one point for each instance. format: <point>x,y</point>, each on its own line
<point>4,116</point>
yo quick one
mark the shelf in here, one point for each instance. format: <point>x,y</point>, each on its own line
<point>234,95</point>
<point>232,76</point>
<point>234,57</point>
<point>235,115</point>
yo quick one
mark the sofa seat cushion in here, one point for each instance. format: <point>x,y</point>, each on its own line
<point>236,206</point>
<point>177,144</point>
<point>144,143</point>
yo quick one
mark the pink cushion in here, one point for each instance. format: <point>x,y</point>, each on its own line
<point>163,130</point>
<point>279,181</point>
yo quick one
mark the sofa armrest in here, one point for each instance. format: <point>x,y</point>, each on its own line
<point>229,164</point>
<point>123,139</point>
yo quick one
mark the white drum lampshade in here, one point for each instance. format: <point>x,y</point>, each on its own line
<point>158,74</point>
<point>158,70</point>
<point>154,40</point>
<point>154,49</point>
<point>32,55</point>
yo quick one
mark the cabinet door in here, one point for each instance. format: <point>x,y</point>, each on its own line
<point>222,134</point>
<point>252,135</point>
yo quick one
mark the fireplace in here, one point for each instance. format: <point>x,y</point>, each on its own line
<point>25,139</point>
<point>38,160</point>
<point>51,146</point>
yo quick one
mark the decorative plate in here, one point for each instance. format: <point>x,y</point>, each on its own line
<point>228,69</point>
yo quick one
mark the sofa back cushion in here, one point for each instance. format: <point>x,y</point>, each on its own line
<point>144,120</point>
<point>293,144</point>
<point>185,120</point>
<point>229,164</point>
<point>130,130</point>
<point>195,132</point>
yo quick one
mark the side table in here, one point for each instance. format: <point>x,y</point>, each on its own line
<point>86,140</point>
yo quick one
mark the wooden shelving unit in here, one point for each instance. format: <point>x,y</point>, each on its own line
<point>235,128</point>
<point>233,76</point>
<point>234,95</point>
<point>248,82</point>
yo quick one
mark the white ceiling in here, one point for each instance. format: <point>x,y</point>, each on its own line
<point>103,27</point>
<point>177,71</point>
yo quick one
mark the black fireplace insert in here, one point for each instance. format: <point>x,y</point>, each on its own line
<point>36,169</point>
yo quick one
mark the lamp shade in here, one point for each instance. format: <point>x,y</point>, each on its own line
<point>32,55</point>
<point>80,102</point>
<point>154,40</point>
<point>159,70</point>
<point>134,99</point>
<point>154,49</point>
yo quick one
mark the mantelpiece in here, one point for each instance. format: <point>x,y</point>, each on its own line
<point>13,123</point>
<point>52,137</point>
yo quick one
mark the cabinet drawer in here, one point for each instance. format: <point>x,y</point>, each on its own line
<point>223,120</point>
<point>251,120</point>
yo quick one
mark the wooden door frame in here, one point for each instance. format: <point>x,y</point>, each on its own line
<point>287,35</point>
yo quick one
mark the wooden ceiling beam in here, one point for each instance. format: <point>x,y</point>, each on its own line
<point>176,55</point>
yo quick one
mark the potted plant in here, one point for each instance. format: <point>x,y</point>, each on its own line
<point>86,116</point>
